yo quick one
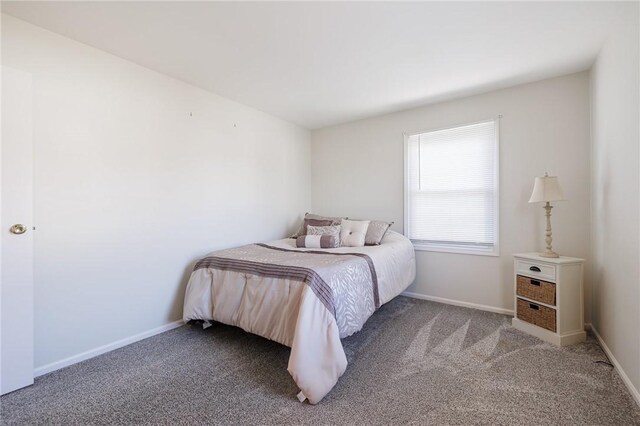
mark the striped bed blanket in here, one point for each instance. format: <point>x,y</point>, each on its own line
<point>305,299</point>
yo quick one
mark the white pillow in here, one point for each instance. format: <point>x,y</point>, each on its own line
<point>353,232</point>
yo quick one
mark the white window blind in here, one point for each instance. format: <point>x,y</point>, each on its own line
<point>451,192</point>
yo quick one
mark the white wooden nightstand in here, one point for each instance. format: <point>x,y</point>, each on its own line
<point>549,301</point>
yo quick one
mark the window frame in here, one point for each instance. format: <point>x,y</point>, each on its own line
<point>458,248</point>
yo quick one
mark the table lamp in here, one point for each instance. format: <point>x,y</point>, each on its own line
<point>546,189</point>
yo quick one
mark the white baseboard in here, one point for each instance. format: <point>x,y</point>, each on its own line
<point>105,348</point>
<point>634,392</point>
<point>458,303</point>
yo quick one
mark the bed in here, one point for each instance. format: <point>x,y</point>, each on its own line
<point>307,299</point>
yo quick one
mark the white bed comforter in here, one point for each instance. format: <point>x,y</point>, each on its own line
<point>305,299</point>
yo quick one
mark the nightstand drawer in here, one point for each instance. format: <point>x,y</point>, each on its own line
<point>536,289</point>
<point>536,270</point>
<point>535,314</point>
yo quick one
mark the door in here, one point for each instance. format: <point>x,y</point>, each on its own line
<point>16,223</point>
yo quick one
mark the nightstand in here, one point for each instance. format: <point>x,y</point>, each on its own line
<point>549,301</point>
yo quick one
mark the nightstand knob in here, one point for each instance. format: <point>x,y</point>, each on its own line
<point>534,268</point>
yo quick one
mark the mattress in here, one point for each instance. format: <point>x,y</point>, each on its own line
<point>307,299</point>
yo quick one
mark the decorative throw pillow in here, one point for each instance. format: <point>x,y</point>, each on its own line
<point>376,231</point>
<point>332,231</point>
<point>303,228</point>
<point>317,241</point>
<point>353,232</point>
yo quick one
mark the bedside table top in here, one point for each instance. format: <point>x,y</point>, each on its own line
<point>556,260</point>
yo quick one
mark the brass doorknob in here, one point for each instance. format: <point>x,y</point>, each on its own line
<point>18,228</point>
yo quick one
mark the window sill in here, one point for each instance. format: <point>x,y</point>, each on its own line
<point>456,250</point>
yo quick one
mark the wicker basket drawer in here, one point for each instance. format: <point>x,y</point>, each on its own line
<point>537,314</point>
<point>534,289</point>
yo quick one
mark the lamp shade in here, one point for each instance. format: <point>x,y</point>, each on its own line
<point>546,188</point>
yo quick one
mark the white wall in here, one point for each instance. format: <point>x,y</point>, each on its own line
<point>357,170</point>
<point>136,176</point>
<point>615,88</point>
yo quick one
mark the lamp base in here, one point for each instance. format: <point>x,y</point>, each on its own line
<point>552,254</point>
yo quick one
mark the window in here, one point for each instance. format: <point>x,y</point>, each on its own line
<point>451,189</point>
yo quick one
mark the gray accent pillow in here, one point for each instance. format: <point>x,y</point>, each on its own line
<point>303,228</point>
<point>376,231</point>
<point>331,230</point>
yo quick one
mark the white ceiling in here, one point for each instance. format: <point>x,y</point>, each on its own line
<point>318,64</point>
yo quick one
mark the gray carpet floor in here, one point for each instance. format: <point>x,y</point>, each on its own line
<point>415,362</point>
